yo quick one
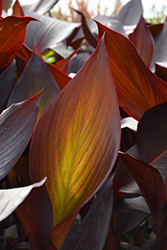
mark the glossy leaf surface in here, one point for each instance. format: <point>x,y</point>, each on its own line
<point>148,178</point>
<point>137,87</point>
<point>131,12</point>
<point>12,198</point>
<point>143,41</point>
<point>12,35</point>
<point>48,32</point>
<point>91,233</point>
<point>35,77</point>
<point>36,216</point>
<point>160,47</point>
<point>40,6</point>
<point>72,145</point>
<point>16,126</point>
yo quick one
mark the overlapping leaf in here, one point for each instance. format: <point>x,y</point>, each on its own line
<point>148,178</point>
<point>35,77</point>
<point>137,87</point>
<point>16,127</point>
<point>36,215</point>
<point>160,47</point>
<point>12,35</point>
<point>92,231</point>
<point>76,141</point>
<point>143,41</point>
<point>12,198</point>
<point>48,32</point>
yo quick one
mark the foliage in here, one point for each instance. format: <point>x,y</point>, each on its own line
<point>83,159</point>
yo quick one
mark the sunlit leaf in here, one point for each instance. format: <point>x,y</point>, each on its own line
<point>160,47</point>
<point>40,6</point>
<point>143,41</point>
<point>12,198</point>
<point>48,32</point>
<point>17,9</point>
<point>12,35</point>
<point>72,145</point>
<point>137,87</point>
<point>131,12</point>
<point>16,126</point>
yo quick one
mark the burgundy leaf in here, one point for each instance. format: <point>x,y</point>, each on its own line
<point>16,126</point>
<point>149,180</point>
<point>92,231</point>
<point>36,216</point>
<point>17,9</point>
<point>143,41</point>
<point>88,34</point>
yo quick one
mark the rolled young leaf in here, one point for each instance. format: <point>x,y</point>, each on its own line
<point>77,138</point>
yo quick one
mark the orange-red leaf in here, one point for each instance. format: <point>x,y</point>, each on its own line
<point>77,138</point>
<point>12,35</point>
<point>143,41</point>
<point>63,64</point>
<point>137,87</point>
<point>17,9</point>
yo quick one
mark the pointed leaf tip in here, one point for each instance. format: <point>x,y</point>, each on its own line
<point>72,144</point>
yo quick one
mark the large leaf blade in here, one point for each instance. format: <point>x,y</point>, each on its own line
<point>16,126</point>
<point>137,87</point>
<point>85,146</point>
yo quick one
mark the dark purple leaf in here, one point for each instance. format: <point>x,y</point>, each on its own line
<point>92,231</point>
<point>16,126</point>
<point>7,82</point>
<point>12,198</point>
<point>36,216</point>
<point>7,4</point>
<point>160,54</point>
<point>35,77</point>
<point>149,180</point>
<point>143,41</point>
<point>48,32</point>
<point>131,12</point>
<point>78,61</point>
<point>40,6</point>
<point>87,32</point>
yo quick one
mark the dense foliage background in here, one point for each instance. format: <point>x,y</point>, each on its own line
<point>83,129</point>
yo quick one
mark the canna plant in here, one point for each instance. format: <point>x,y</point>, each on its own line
<point>93,146</point>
